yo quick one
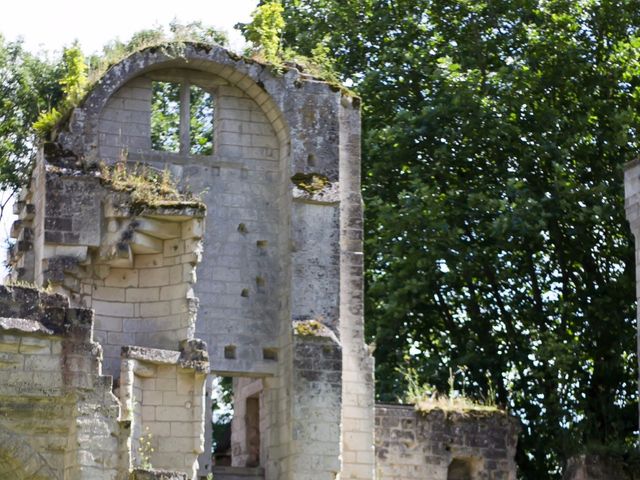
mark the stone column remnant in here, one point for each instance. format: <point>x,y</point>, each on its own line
<point>632,208</point>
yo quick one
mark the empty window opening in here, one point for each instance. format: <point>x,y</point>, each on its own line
<point>165,117</point>
<point>221,416</point>
<point>270,354</point>
<point>460,469</point>
<point>201,129</point>
<point>230,352</point>
<point>182,117</point>
<point>245,292</point>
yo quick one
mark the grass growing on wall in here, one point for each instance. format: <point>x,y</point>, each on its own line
<point>146,185</point>
<point>426,398</point>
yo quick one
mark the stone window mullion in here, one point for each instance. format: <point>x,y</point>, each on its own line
<point>185,117</point>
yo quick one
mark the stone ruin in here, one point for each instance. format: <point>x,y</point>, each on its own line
<point>118,355</point>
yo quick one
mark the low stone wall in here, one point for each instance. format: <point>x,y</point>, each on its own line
<point>153,474</point>
<point>439,445</point>
<point>162,393</point>
<point>58,417</point>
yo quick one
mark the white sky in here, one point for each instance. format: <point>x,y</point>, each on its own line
<point>52,24</point>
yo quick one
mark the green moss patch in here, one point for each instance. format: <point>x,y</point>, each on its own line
<point>311,183</point>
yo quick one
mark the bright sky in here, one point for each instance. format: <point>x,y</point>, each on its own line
<point>52,24</point>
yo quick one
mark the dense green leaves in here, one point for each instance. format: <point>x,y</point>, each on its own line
<point>494,139</point>
<point>265,30</point>
<point>165,117</point>
<point>28,85</point>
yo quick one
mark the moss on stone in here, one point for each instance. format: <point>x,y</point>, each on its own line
<point>311,183</point>
<point>308,328</point>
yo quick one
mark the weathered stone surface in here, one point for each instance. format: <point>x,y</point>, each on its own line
<point>52,396</point>
<point>441,445</point>
<point>154,474</point>
<point>632,210</point>
<point>279,254</point>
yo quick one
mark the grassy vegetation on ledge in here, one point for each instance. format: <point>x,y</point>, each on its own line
<point>308,328</point>
<point>11,283</point>
<point>147,186</point>
<point>426,398</point>
<point>456,404</point>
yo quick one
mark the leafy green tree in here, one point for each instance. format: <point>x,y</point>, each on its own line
<point>165,117</point>
<point>28,85</point>
<point>494,137</point>
<point>265,30</point>
<point>73,81</point>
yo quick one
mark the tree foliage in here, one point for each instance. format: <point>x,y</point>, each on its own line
<point>265,30</point>
<point>117,50</point>
<point>28,85</point>
<point>494,138</point>
<point>73,82</point>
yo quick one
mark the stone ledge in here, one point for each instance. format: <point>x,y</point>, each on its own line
<point>237,473</point>
<point>24,325</point>
<point>192,355</point>
<point>151,355</point>
<point>153,474</point>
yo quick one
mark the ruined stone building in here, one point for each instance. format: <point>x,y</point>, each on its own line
<point>108,372</point>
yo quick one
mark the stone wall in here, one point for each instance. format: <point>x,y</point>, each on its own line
<point>274,251</point>
<point>357,368</point>
<point>632,210</point>
<point>134,265</point>
<point>317,401</point>
<point>249,427</point>
<point>162,394</point>
<point>242,279</point>
<point>440,445</point>
<point>282,247</point>
<point>58,417</point>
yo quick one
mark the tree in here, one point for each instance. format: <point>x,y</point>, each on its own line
<point>28,85</point>
<point>494,137</point>
<point>265,30</point>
